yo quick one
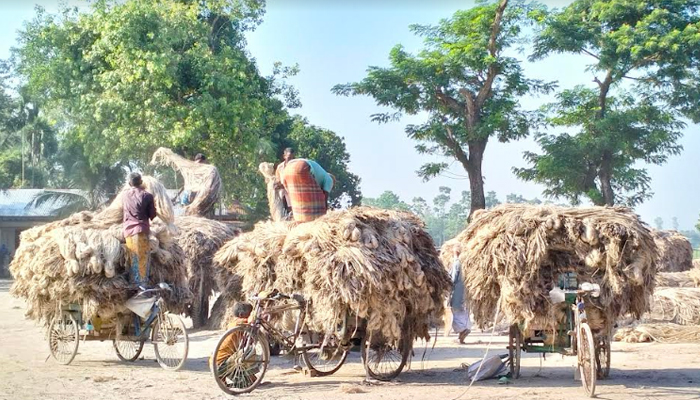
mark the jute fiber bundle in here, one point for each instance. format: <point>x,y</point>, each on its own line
<point>676,305</point>
<point>82,259</point>
<point>662,333</point>
<point>676,279</point>
<point>512,256</point>
<point>372,264</point>
<point>695,273</point>
<point>203,179</point>
<point>675,251</point>
<point>200,238</point>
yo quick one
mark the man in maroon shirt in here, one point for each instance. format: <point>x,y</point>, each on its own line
<point>139,210</point>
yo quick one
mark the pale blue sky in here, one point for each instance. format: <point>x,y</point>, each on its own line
<point>334,42</point>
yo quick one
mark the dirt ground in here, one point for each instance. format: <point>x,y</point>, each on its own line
<point>641,371</point>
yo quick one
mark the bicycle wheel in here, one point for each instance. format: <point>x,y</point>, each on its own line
<point>602,356</point>
<point>170,341</point>
<point>384,360</point>
<point>240,360</point>
<point>586,358</point>
<point>515,344</point>
<point>323,354</point>
<point>64,338</point>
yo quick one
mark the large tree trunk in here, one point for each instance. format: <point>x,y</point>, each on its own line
<point>605,176</point>
<point>476,178</point>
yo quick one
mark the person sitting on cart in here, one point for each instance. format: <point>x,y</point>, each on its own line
<point>139,209</point>
<point>461,323</point>
<point>308,188</point>
<point>241,314</point>
<point>187,196</point>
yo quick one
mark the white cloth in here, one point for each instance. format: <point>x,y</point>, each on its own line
<point>460,319</point>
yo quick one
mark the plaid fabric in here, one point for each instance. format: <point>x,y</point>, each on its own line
<point>307,199</point>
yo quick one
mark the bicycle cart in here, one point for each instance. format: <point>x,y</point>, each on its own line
<point>126,331</point>
<point>571,336</point>
<point>241,357</point>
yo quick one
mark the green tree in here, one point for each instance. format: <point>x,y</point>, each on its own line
<point>467,83</point>
<point>674,223</point>
<point>659,223</point>
<point>130,76</point>
<point>513,198</point>
<point>388,200</point>
<point>328,149</point>
<point>650,44</point>
<point>492,200</point>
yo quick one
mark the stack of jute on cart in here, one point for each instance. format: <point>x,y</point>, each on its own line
<point>372,264</point>
<point>200,238</point>
<point>82,259</point>
<point>675,251</point>
<point>203,180</point>
<point>512,256</point>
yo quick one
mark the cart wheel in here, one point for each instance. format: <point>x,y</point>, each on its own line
<point>515,345</point>
<point>64,338</point>
<point>323,353</point>
<point>170,341</point>
<point>384,361</point>
<point>240,360</point>
<point>586,358</point>
<point>127,350</point>
<point>602,356</point>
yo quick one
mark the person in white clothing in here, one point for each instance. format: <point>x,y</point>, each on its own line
<point>461,324</point>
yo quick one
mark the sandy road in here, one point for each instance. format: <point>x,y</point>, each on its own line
<point>642,371</point>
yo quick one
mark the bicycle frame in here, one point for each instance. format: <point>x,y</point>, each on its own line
<point>264,313</point>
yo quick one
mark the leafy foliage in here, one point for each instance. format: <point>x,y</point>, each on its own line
<point>465,81</point>
<point>653,44</point>
<point>131,76</point>
<point>328,149</point>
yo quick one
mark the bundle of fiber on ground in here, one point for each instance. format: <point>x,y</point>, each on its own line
<point>202,179</point>
<point>676,305</point>
<point>373,264</point>
<point>676,279</point>
<point>512,256</point>
<point>200,238</point>
<point>695,273</point>
<point>82,259</point>
<point>662,333</point>
<point>675,251</point>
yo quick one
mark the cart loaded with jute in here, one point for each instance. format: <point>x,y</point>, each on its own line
<point>560,276</point>
<point>73,275</point>
<point>368,276</point>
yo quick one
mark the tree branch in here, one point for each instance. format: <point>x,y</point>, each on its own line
<point>456,148</point>
<point>449,101</point>
<point>590,54</point>
<point>493,69</point>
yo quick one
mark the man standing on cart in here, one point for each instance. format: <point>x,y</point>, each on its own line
<point>139,209</point>
<point>308,188</point>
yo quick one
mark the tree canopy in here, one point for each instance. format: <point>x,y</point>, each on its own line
<point>644,54</point>
<point>118,81</point>
<point>465,81</point>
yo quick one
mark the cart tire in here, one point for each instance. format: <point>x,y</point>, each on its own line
<point>64,337</point>
<point>384,361</point>
<point>602,356</point>
<point>249,358</point>
<point>170,341</point>
<point>127,350</point>
<point>586,359</point>
<point>515,345</point>
<point>326,359</point>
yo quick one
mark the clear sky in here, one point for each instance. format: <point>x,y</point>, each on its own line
<point>334,41</point>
